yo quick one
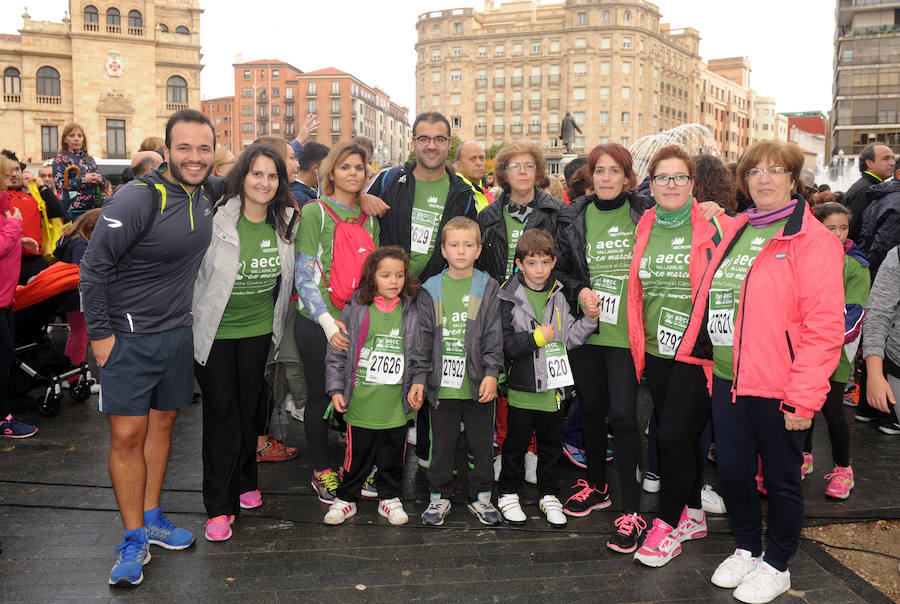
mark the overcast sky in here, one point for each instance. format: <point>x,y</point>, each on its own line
<point>789,42</point>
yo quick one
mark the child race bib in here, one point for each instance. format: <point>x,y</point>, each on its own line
<point>453,368</point>
<point>559,372</point>
<point>670,330</point>
<point>423,222</point>
<point>385,363</point>
<point>720,323</point>
<point>609,290</point>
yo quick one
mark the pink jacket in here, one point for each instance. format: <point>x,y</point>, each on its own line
<point>704,236</point>
<point>789,327</point>
<point>10,253</point>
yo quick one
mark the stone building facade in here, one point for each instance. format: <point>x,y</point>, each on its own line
<point>119,68</point>
<point>513,70</point>
<point>767,123</point>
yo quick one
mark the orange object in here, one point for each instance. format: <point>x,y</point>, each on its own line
<point>58,278</point>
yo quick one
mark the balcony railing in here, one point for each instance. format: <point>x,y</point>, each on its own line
<point>516,80</point>
<point>515,105</point>
<point>534,104</point>
<point>480,106</point>
<point>534,80</point>
<point>262,98</point>
<point>176,106</point>
<point>113,29</point>
<point>289,117</point>
<point>552,128</point>
<point>136,31</point>
<point>498,105</point>
<point>499,82</point>
<point>44,99</point>
<point>12,98</point>
<point>312,93</point>
<point>534,128</point>
<point>481,82</point>
<point>552,103</point>
<point>498,129</point>
<point>515,129</point>
<point>91,27</point>
<point>480,129</point>
<point>262,118</point>
<point>553,78</point>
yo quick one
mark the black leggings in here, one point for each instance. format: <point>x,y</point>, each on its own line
<point>312,345</point>
<point>233,384</point>
<point>607,385</point>
<point>7,352</point>
<point>683,407</point>
<point>838,429</point>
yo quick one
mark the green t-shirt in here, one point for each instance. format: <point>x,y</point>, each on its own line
<point>251,307</point>
<point>376,404</point>
<point>315,236</point>
<point>535,401</point>
<point>610,243</point>
<point>514,230</point>
<point>455,304</point>
<point>725,293</point>
<point>427,210</point>
<point>667,288</point>
<point>857,281</point>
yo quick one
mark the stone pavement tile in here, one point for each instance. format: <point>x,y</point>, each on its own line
<point>826,596</point>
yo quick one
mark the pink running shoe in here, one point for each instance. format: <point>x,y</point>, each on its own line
<point>251,499</point>
<point>807,466</point>
<point>840,481</point>
<point>661,545</point>
<point>688,528</point>
<point>218,528</point>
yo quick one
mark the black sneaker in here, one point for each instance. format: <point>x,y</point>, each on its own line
<point>865,413</point>
<point>585,499</point>
<point>629,528</point>
<point>889,427</point>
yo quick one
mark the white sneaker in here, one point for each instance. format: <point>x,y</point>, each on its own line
<point>763,585</point>
<point>498,464</point>
<point>651,482</point>
<point>553,510</point>
<point>711,501</point>
<point>734,568</point>
<point>530,467</point>
<point>393,510</point>
<point>511,509</point>
<point>339,511</point>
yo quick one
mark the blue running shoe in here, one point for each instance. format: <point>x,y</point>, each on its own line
<point>10,427</point>
<point>575,455</point>
<point>163,533</point>
<point>134,553</point>
<point>609,455</point>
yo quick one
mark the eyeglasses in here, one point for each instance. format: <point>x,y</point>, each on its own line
<point>527,166</point>
<point>662,180</point>
<point>758,172</point>
<point>425,140</point>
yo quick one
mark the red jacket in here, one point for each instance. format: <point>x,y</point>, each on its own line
<point>789,326</point>
<point>31,217</point>
<point>704,236</point>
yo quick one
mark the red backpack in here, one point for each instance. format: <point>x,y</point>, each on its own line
<point>351,246</point>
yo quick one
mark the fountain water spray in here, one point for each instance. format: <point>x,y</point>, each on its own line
<point>693,138</point>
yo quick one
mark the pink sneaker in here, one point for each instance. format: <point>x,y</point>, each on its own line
<point>218,528</point>
<point>688,528</point>
<point>661,545</point>
<point>807,466</point>
<point>251,499</point>
<point>840,481</point>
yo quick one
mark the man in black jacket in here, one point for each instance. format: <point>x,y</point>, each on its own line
<point>876,163</point>
<point>421,196</point>
<point>881,221</point>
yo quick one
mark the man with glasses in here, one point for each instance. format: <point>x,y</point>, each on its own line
<point>420,197</point>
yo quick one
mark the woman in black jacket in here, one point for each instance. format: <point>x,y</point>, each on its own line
<point>521,206</point>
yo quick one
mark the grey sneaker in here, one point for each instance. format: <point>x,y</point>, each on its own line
<point>436,511</point>
<point>484,510</point>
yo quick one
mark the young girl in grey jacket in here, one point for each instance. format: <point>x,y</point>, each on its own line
<point>369,381</point>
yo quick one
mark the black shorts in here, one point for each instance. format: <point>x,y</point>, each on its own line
<point>148,371</point>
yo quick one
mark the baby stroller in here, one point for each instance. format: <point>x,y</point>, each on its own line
<point>37,363</point>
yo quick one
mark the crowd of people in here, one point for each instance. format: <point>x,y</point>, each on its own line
<point>423,304</point>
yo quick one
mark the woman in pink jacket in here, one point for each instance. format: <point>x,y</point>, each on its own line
<point>769,314</point>
<point>673,245</point>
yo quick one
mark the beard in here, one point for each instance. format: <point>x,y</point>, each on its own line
<point>179,176</point>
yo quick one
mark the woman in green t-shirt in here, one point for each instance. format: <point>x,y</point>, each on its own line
<point>241,296</point>
<point>342,175</point>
